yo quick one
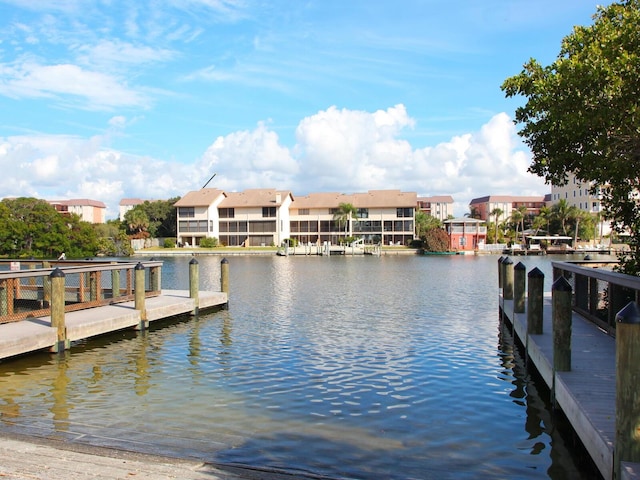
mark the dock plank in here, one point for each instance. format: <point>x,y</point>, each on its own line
<point>586,394</point>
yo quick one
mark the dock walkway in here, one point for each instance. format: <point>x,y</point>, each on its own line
<point>34,334</point>
<point>587,393</point>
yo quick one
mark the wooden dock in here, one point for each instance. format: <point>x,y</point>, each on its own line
<point>33,334</point>
<point>587,393</point>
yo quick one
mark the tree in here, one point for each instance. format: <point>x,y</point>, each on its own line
<point>517,217</point>
<point>137,222</point>
<point>33,228</point>
<point>345,215</point>
<point>496,212</point>
<point>436,240</point>
<point>425,222</point>
<point>582,115</point>
<point>562,212</point>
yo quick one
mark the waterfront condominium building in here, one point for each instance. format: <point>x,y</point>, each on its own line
<point>257,217</point>
<point>263,217</point>
<point>482,207</point>
<point>580,195</point>
<point>440,207</point>
<point>386,216</point>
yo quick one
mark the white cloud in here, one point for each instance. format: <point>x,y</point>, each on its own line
<point>69,83</point>
<point>337,150</point>
<point>250,159</point>
<point>116,54</point>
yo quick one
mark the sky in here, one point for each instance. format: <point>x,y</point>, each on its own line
<point>113,99</point>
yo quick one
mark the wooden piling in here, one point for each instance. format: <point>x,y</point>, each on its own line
<point>500,260</point>
<point>627,441</point>
<point>507,279</point>
<point>115,283</point>
<point>519,286</point>
<point>224,276</point>
<point>535,301</point>
<point>561,313</point>
<point>139,296</point>
<point>194,284</point>
<point>57,278</point>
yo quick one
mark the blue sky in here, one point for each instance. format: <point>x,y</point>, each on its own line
<point>106,99</point>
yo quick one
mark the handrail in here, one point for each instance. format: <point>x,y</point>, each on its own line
<point>28,293</point>
<point>598,294</point>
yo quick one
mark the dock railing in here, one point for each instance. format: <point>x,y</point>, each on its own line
<point>598,292</point>
<point>610,300</point>
<point>25,286</point>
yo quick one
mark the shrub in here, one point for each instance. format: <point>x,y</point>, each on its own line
<point>169,243</point>
<point>209,242</point>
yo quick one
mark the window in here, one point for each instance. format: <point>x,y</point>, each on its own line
<point>404,212</point>
<point>186,212</point>
<point>303,211</point>
<point>226,212</point>
<point>363,213</point>
<point>268,212</point>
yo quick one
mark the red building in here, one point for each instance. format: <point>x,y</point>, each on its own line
<point>465,234</point>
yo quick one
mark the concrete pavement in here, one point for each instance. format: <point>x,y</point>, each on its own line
<point>30,458</point>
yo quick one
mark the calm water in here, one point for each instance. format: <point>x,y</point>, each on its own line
<point>369,368</point>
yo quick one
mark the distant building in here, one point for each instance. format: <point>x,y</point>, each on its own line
<point>440,207</point>
<point>257,217</point>
<point>262,217</point>
<point>465,234</point>
<point>579,194</point>
<point>386,216</point>
<point>127,204</point>
<point>91,211</point>
<point>483,206</point>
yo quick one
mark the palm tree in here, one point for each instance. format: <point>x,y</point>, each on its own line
<point>345,214</point>
<point>544,215</point>
<point>517,217</point>
<point>561,212</point>
<point>496,212</point>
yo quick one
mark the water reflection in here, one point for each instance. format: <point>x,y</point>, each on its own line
<point>359,368</point>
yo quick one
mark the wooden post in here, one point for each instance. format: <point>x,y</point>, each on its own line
<point>519,286</point>
<point>500,260</point>
<point>627,440</point>
<point>115,283</point>
<point>140,296</point>
<point>535,296</point>
<point>154,279</point>
<point>4,298</point>
<point>93,286</point>
<point>507,279</point>
<point>194,284</point>
<point>224,276</point>
<point>57,310</point>
<point>561,317</point>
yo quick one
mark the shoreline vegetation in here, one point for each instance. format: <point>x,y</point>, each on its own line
<point>161,251</point>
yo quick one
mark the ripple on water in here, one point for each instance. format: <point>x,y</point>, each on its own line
<point>355,368</point>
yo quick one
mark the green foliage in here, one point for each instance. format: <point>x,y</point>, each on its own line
<point>209,242</point>
<point>169,243</point>
<point>436,240</point>
<point>582,115</point>
<point>152,219</point>
<point>112,239</point>
<point>425,222</point>
<point>33,228</point>
<point>345,214</point>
